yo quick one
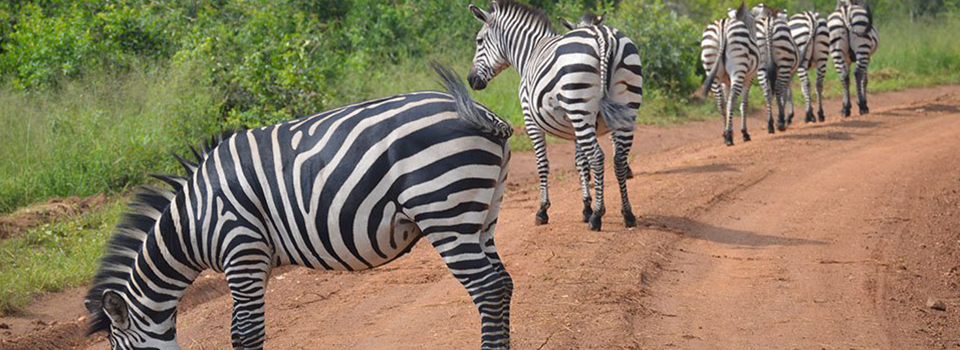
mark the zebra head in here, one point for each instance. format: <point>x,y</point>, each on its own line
<point>490,58</point>
<point>128,329</point>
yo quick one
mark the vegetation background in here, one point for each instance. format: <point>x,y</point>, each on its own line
<point>95,94</point>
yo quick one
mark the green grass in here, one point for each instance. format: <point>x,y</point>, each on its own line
<point>99,134</point>
<point>54,256</point>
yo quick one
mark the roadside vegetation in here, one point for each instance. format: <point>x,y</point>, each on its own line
<point>96,94</point>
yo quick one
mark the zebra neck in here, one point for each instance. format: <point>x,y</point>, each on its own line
<point>161,272</point>
<point>525,45</point>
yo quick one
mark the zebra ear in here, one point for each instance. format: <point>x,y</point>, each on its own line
<point>565,23</point>
<point>115,308</point>
<point>599,19</point>
<point>481,15</point>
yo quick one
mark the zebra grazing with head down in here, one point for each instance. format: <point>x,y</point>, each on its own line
<point>574,86</point>
<point>731,58</point>
<point>779,59</point>
<point>853,38</point>
<point>812,37</point>
<point>348,189</point>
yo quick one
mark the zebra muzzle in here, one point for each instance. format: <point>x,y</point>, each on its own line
<point>476,82</point>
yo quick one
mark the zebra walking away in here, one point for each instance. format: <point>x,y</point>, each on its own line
<point>575,86</point>
<point>731,58</point>
<point>779,59</point>
<point>853,38</point>
<point>348,189</point>
<point>812,37</point>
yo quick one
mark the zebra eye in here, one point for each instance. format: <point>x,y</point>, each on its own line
<point>479,41</point>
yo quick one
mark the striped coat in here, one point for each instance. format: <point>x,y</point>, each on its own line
<point>853,39</point>
<point>779,59</point>
<point>575,86</point>
<point>348,189</point>
<point>731,58</point>
<point>812,37</point>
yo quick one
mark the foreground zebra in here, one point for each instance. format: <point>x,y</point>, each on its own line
<point>779,59</point>
<point>810,33</point>
<point>853,38</point>
<point>349,189</point>
<point>731,58</point>
<point>566,82</point>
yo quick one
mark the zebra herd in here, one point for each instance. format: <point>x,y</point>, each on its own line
<point>763,42</point>
<point>356,187</point>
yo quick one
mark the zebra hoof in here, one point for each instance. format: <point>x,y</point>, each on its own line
<point>746,137</point>
<point>790,119</point>
<point>728,138</point>
<point>587,211</point>
<point>629,220</point>
<point>821,116</point>
<point>810,118</point>
<point>629,172</point>
<point>845,112</point>
<point>542,218</point>
<point>864,110</point>
<point>595,222</point>
<point>770,129</point>
<point>782,126</point>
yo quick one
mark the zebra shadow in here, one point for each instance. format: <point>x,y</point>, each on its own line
<point>702,231</point>
<point>698,169</point>
<point>827,136</point>
<point>858,124</point>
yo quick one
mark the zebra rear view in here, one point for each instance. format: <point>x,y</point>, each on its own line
<point>731,58</point>
<point>576,86</point>
<point>348,189</point>
<point>853,39</point>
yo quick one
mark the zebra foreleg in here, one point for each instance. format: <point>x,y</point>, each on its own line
<point>487,285</point>
<point>728,115</point>
<point>584,169</point>
<point>861,75</point>
<point>247,280</point>
<point>622,143</point>
<point>537,138</point>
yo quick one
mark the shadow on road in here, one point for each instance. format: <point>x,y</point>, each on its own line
<point>698,169</point>
<point>698,230</point>
<point>827,136</point>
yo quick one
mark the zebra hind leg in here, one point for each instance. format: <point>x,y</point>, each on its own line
<point>769,95</point>
<point>743,109</point>
<point>821,73</point>
<point>584,169</point>
<point>789,89</point>
<point>805,86</point>
<point>781,98</point>
<point>861,75</point>
<point>543,170</point>
<point>845,82</point>
<point>622,143</point>
<point>247,281</point>
<point>487,284</point>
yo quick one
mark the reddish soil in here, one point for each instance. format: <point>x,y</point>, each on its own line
<point>829,236</point>
<point>35,215</point>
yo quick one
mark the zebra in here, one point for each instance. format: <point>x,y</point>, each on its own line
<point>566,82</point>
<point>731,58</point>
<point>348,189</point>
<point>853,38</point>
<point>812,37</point>
<point>779,59</point>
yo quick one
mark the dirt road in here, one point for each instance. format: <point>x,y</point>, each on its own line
<point>829,236</point>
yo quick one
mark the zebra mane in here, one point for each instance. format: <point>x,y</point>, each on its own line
<point>530,12</point>
<point>143,211</point>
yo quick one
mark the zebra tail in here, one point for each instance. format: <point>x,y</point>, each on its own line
<point>811,40</point>
<point>616,115</point>
<point>467,108</point>
<point>712,75</point>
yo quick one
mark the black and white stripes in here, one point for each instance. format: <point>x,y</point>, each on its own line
<point>349,189</point>
<point>853,39</point>
<point>812,37</point>
<point>779,59</point>
<point>731,58</point>
<point>575,86</point>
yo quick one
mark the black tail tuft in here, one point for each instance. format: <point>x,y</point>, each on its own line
<point>618,116</point>
<point>486,122</point>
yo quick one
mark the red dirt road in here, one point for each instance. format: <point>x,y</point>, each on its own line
<point>828,236</point>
